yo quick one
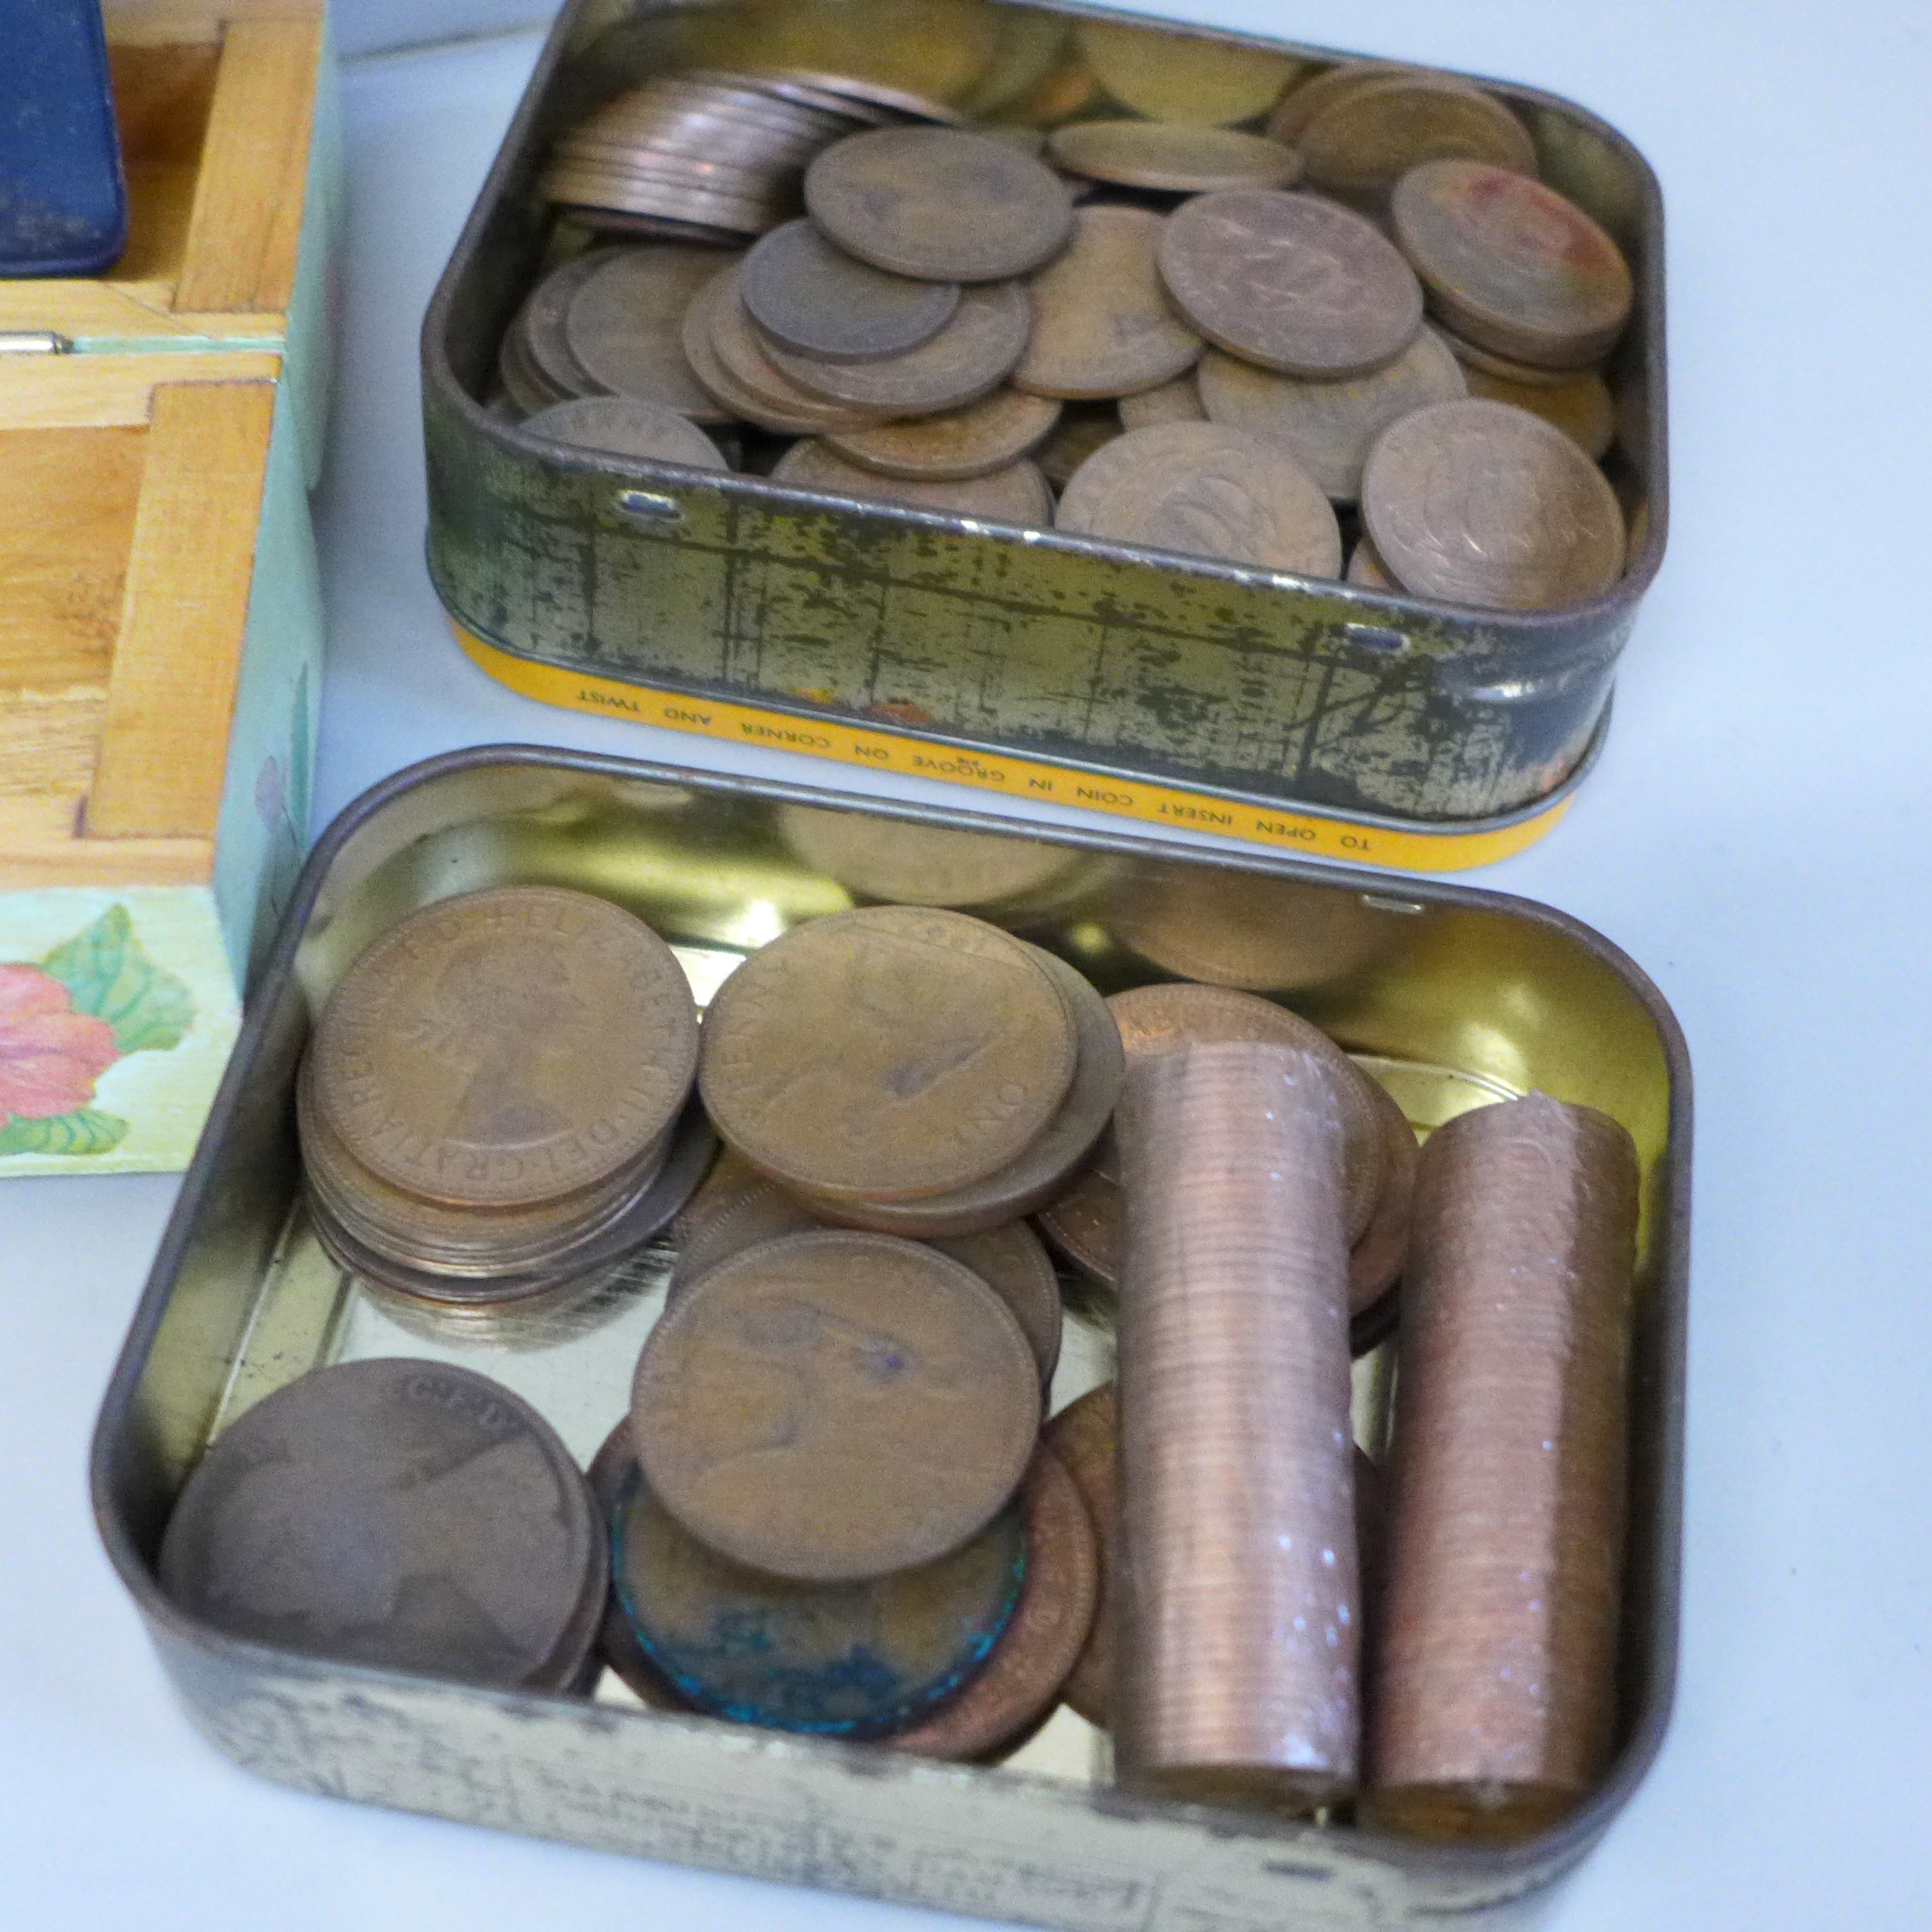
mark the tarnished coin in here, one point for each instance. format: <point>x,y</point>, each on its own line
<point>806,295</point>
<point>1171,155</point>
<point>1083,428</point>
<point>969,358</point>
<point>889,1053</point>
<point>939,203</point>
<point>544,324</point>
<point>1328,428</point>
<point>854,1660</point>
<point>836,1406</point>
<point>506,1046</point>
<point>1474,355</point>
<point>764,1211</point>
<point>620,426</point>
<point>1022,1679</point>
<point>931,60</point>
<point>1154,1019</point>
<point>1037,1175</point>
<point>625,323</point>
<point>1303,102</point>
<point>1082,1436</point>
<point>1207,491</point>
<point>1512,265</point>
<point>1360,145</point>
<point>1015,494</point>
<point>406,1514</point>
<point>731,360</point>
<point>1365,567</point>
<point>1582,408</point>
<point>729,1178</point>
<point>1085,1223</point>
<point>1477,503</point>
<point>1169,75</point>
<point>1177,401</point>
<point>902,863</point>
<point>983,436</point>
<point>524,384</point>
<point>1102,323</point>
<point>1290,281</point>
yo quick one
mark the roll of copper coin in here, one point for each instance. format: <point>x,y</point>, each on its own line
<point>1039,1172</point>
<point>887,1054</point>
<point>1155,1019</point>
<point>1085,1436</point>
<point>859,1659</point>
<point>406,1514</point>
<point>1238,1597</point>
<point>832,1407</point>
<point>1496,1669</point>
<point>1021,1680</point>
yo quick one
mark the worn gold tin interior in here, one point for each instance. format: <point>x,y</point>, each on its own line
<point>1452,998</point>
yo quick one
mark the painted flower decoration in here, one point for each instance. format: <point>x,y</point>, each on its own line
<point>50,1056</point>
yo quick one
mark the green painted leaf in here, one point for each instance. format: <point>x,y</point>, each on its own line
<point>82,1132</point>
<point>106,974</point>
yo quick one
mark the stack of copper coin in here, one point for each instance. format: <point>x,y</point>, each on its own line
<point>490,1106</point>
<point>943,328</point>
<point>1087,1222</point>
<point>911,1070</point>
<point>829,1511</point>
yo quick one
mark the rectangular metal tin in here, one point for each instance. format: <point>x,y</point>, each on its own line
<point>1275,692</point>
<point>1469,985</point>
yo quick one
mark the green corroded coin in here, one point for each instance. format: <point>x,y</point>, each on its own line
<point>842,1660</point>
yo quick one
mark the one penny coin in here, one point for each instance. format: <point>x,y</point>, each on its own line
<point>1582,407</point>
<point>1102,325</point>
<point>889,1053</point>
<point>1170,76</point>
<point>1022,1679</point>
<point>1037,1175</point>
<point>1360,146</point>
<point>836,1406</point>
<point>902,863</point>
<point>983,436</point>
<point>1290,281</point>
<point>854,1660</point>
<point>732,358</point>
<point>969,358</point>
<point>506,1046</point>
<point>406,1514</point>
<point>1172,156</point>
<point>625,322</point>
<point>808,296</point>
<point>543,324</point>
<point>1154,1019</point>
<point>1301,103</point>
<point>1177,401</point>
<point>1014,494</point>
<point>1085,1225</point>
<point>1328,428</point>
<point>1083,1437</point>
<point>1511,265</point>
<point>1375,1260</point>
<point>939,203</point>
<point>620,426</point>
<point>1479,503</point>
<point>1204,490</point>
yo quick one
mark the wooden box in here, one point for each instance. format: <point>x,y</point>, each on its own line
<point>160,612</point>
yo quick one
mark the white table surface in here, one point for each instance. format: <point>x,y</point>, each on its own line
<point>1756,835</point>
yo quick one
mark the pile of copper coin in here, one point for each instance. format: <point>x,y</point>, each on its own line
<point>1207,339</point>
<point>842,1501</point>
